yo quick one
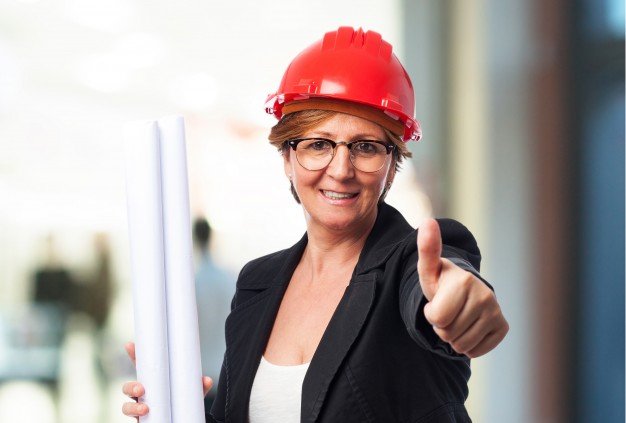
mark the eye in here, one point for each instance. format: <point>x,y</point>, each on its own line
<point>368,148</point>
<point>317,145</point>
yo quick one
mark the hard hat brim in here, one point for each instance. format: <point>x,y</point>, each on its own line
<point>350,108</point>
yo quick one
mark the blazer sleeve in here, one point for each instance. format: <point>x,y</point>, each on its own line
<point>459,246</point>
<point>217,414</point>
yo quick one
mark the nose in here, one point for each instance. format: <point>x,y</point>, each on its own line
<point>340,167</point>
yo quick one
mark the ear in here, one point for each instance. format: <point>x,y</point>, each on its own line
<point>391,173</point>
<point>287,163</point>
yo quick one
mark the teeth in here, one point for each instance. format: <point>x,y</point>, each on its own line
<point>337,195</point>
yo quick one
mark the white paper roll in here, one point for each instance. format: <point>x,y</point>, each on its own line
<point>145,223</point>
<point>182,316</point>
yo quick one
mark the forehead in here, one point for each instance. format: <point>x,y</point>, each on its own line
<point>344,126</point>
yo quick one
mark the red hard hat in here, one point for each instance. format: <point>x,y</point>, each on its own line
<point>350,66</point>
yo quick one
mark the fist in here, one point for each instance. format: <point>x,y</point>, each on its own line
<point>134,390</point>
<point>463,310</point>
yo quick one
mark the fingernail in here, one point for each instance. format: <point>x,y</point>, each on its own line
<point>136,390</point>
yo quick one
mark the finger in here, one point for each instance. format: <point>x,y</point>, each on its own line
<point>479,300</point>
<point>207,384</point>
<point>452,294</point>
<point>488,343</point>
<point>471,338</point>
<point>429,256</point>
<point>480,333</point>
<point>133,389</point>
<point>461,324</point>
<point>130,350</point>
<point>133,409</point>
<point>481,310</point>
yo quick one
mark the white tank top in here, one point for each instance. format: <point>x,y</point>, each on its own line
<point>276,393</point>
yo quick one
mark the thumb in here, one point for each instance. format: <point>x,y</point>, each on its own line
<point>130,350</point>
<point>207,384</point>
<point>429,257</point>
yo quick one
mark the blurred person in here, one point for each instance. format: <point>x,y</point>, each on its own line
<point>53,283</point>
<point>95,295</point>
<point>93,299</point>
<point>37,332</point>
<point>364,318</point>
<point>214,290</point>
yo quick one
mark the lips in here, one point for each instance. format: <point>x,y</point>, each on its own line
<point>334,195</point>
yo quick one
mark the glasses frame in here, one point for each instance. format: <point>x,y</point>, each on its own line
<point>293,143</point>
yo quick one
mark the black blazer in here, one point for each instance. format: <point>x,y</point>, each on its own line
<point>379,360</point>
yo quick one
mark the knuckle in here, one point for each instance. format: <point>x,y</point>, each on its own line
<point>444,335</point>
<point>501,332</point>
<point>466,280</point>
<point>458,346</point>
<point>132,389</point>
<point>445,319</point>
<point>486,299</point>
<point>435,317</point>
<point>127,388</point>
<point>126,408</point>
<point>473,354</point>
<point>497,317</point>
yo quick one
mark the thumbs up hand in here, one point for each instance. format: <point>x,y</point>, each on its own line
<point>463,310</point>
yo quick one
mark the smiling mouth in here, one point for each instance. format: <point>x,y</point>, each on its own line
<point>338,195</point>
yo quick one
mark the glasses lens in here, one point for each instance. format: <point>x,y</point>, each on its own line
<point>314,154</point>
<point>368,156</point>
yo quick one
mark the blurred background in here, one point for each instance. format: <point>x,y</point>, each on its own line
<point>522,107</point>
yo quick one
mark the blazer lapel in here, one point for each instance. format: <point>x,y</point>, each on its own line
<point>249,325</point>
<point>341,332</point>
<point>352,311</point>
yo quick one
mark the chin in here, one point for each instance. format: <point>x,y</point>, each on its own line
<point>339,225</point>
<point>339,217</point>
<point>340,220</point>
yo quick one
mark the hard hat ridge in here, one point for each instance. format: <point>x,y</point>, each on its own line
<point>369,41</point>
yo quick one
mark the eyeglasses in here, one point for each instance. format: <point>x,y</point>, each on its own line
<point>317,153</point>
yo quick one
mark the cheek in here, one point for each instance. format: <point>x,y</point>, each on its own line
<point>304,179</point>
<point>383,180</point>
<point>380,187</point>
<point>301,178</point>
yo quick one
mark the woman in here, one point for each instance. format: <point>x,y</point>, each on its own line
<point>362,320</point>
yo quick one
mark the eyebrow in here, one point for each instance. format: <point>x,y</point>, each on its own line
<point>359,136</point>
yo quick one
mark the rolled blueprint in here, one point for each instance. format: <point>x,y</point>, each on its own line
<point>182,316</point>
<point>145,224</point>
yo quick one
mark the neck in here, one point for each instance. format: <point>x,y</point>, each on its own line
<point>329,250</point>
